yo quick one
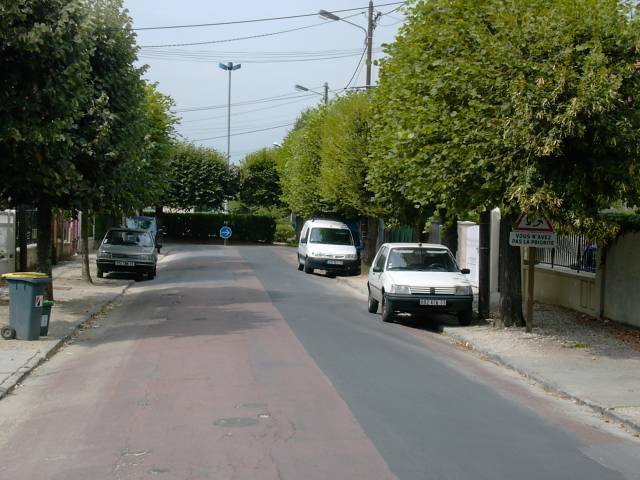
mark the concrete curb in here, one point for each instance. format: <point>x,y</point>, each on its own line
<point>547,385</point>
<point>346,281</point>
<point>54,345</point>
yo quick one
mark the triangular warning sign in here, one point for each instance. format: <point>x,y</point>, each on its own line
<point>533,223</point>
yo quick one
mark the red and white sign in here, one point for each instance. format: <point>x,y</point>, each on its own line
<point>533,231</point>
<point>38,300</point>
<point>533,223</point>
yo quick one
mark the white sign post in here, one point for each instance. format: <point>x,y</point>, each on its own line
<point>532,232</point>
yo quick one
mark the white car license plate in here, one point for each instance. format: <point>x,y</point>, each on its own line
<point>335,262</point>
<point>433,302</point>
<point>121,263</point>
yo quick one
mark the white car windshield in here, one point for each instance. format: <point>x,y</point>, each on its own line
<point>422,260</point>
<point>128,237</point>
<point>331,236</point>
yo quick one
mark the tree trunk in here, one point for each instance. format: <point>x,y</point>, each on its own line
<point>84,248</point>
<point>450,237</point>
<point>159,212</point>
<point>484,277</point>
<point>510,273</point>
<point>44,244</point>
<point>370,241</point>
<point>54,237</point>
<point>21,214</point>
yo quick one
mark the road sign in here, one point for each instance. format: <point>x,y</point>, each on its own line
<point>533,231</point>
<point>533,223</point>
<point>533,239</point>
<point>226,232</point>
<point>38,301</point>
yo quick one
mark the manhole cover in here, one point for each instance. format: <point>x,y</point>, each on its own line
<point>236,422</point>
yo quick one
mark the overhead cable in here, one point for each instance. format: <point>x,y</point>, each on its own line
<point>266,19</point>
<point>244,133</point>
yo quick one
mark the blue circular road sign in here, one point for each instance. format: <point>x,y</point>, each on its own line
<point>225,232</point>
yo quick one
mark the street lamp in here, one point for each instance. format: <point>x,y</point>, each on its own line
<point>325,95</point>
<point>230,67</point>
<point>371,23</point>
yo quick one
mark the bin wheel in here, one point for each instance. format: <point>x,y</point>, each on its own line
<point>8,333</point>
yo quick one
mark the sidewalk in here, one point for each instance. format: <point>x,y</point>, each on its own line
<point>75,302</point>
<point>590,361</point>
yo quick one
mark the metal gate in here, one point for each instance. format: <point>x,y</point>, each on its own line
<point>7,241</point>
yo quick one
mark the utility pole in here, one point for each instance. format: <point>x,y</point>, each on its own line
<point>326,93</point>
<point>369,42</point>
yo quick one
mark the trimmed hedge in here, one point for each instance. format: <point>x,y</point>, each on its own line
<point>206,226</point>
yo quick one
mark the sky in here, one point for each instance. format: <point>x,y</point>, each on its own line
<point>324,50</point>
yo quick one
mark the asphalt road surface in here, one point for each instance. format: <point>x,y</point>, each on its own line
<point>232,364</point>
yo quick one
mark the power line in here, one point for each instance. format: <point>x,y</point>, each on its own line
<point>205,59</point>
<point>243,113</point>
<point>266,19</point>
<point>248,102</point>
<point>244,133</point>
<point>248,37</point>
<point>357,68</point>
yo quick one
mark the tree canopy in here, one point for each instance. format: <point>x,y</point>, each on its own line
<point>259,179</point>
<point>199,178</point>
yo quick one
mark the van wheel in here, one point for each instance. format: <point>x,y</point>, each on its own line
<point>300,265</point>
<point>307,268</point>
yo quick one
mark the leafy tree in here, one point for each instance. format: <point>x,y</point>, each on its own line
<point>45,51</point>
<point>530,107</point>
<point>199,178</point>
<point>299,165</point>
<point>259,179</point>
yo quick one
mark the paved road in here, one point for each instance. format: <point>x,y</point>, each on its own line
<point>233,365</point>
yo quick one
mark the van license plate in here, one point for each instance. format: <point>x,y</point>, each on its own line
<point>334,262</point>
<point>120,263</point>
<point>432,302</point>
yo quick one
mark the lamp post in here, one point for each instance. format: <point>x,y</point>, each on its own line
<point>371,23</point>
<point>325,95</point>
<point>230,67</point>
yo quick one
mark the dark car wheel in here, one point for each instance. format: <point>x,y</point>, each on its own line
<point>387,312</point>
<point>372,304</point>
<point>300,265</point>
<point>465,317</point>
<point>307,268</point>
<point>8,333</point>
<point>100,273</point>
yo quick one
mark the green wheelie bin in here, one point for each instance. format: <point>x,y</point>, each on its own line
<point>26,301</point>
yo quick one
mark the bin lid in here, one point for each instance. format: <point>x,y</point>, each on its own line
<point>19,275</point>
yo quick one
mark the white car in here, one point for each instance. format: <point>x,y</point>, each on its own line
<point>327,245</point>
<point>418,277</point>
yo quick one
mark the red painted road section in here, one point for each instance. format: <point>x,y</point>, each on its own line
<point>156,390</point>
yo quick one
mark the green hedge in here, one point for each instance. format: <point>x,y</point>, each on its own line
<point>206,226</point>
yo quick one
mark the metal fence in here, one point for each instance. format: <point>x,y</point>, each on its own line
<point>575,252</point>
<point>32,225</point>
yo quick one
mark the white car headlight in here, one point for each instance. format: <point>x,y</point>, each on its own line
<point>146,257</point>
<point>351,256</point>
<point>463,290</point>
<point>400,289</point>
<point>318,254</point>
<point>104,254</point>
